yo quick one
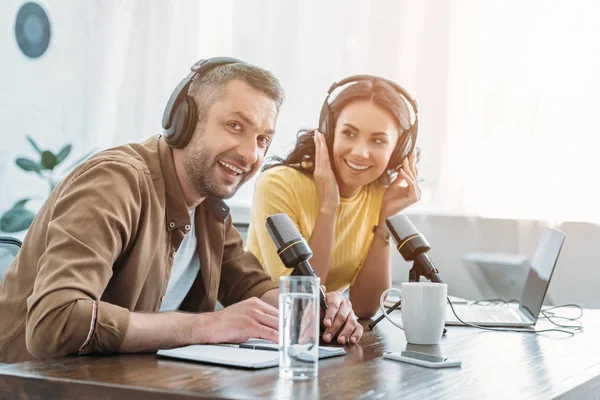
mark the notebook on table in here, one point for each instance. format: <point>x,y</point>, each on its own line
<point>225,354</point>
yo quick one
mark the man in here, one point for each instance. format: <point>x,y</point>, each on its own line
<point>141,228</point>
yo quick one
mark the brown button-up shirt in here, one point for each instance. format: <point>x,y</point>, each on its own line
<point>102,246</point>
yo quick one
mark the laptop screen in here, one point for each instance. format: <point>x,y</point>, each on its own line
<point>540,271</point>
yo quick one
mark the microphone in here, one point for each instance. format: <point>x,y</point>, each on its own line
<point>413,246</point>
<point>292,248</point>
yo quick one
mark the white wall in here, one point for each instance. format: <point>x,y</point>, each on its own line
<point>112,65</point>
<point>44,98</point>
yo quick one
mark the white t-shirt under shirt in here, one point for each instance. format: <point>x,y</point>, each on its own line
<point>186,266</point>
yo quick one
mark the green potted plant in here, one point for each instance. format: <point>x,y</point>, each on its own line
<point>18,218</point>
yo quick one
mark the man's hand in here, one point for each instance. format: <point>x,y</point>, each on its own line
<point>340,319</point>
<point>251,318</point>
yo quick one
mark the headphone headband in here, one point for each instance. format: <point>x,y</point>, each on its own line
<point>358,78</point>
<point>181,90</point>
<point>407,141</point>
<point>180,109</point>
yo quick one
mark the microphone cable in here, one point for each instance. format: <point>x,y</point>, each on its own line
<point>572,329</point>
<point>546,314</point>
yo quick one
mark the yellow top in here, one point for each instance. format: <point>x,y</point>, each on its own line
<point>285,190</point>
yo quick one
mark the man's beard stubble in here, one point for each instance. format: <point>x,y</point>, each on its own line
<point>199,171</point>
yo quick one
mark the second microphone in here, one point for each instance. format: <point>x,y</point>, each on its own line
<point>292,248</point>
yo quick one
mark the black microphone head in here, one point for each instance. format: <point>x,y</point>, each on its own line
<point>410,241</point>
<point>402,226</point>
<point>291,246</point>
<point>282,230</point>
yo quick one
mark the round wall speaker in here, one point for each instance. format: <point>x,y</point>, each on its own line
<point>32,30</point>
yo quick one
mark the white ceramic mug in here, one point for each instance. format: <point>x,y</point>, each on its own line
<point>423,311</point>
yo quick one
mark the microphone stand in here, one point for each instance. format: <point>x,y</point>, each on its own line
<point>413,273</point>
<point>422,266</point>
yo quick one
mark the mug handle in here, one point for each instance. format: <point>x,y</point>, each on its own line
<point>382,308</point>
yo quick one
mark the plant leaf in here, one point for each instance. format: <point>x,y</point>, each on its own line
<point>64,152</point>
<point>34,145</point>
<point>16,220</point>
<point>28,165</point>
<point>76,163</point>
<point>48,160</point>
<point>21,203</point>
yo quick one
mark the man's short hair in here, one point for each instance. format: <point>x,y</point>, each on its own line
<point>209,87</point>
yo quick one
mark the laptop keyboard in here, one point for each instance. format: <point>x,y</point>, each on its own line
<point>488,314</point>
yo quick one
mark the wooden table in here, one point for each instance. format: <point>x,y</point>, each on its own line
<point>495,365</point>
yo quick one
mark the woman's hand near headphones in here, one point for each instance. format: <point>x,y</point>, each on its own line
<point>398,196</point>
<point>327,187</point>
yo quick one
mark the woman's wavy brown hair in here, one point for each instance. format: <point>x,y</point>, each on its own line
<point>380,93</point>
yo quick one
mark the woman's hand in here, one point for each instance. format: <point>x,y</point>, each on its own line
<point>399,196</point>
<point>327,188</point>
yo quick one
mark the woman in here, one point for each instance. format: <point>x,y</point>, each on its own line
<point>339,184</point>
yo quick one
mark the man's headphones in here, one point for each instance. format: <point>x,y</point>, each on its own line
<point>181,115</point>
<point>406,142</point>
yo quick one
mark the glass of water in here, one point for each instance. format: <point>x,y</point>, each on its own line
<point>298,327</point>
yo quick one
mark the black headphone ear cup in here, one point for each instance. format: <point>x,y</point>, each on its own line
<point>182,128</point>
<point>325,127</point>
<point>329,133</point>
<point>324,123</point>
<point>324,116</point>
<point>191,120</point>
<point>173,134</point>
<point>401,151</point>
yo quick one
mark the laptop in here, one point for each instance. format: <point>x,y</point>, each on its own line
<point>526,314</point>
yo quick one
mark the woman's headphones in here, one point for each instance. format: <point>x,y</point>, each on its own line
<point>181,114</point>
<point>408,140</point>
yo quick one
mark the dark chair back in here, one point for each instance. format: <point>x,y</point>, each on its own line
<point>9,247</point>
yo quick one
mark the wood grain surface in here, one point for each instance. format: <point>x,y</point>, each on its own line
<point>495,365</point>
